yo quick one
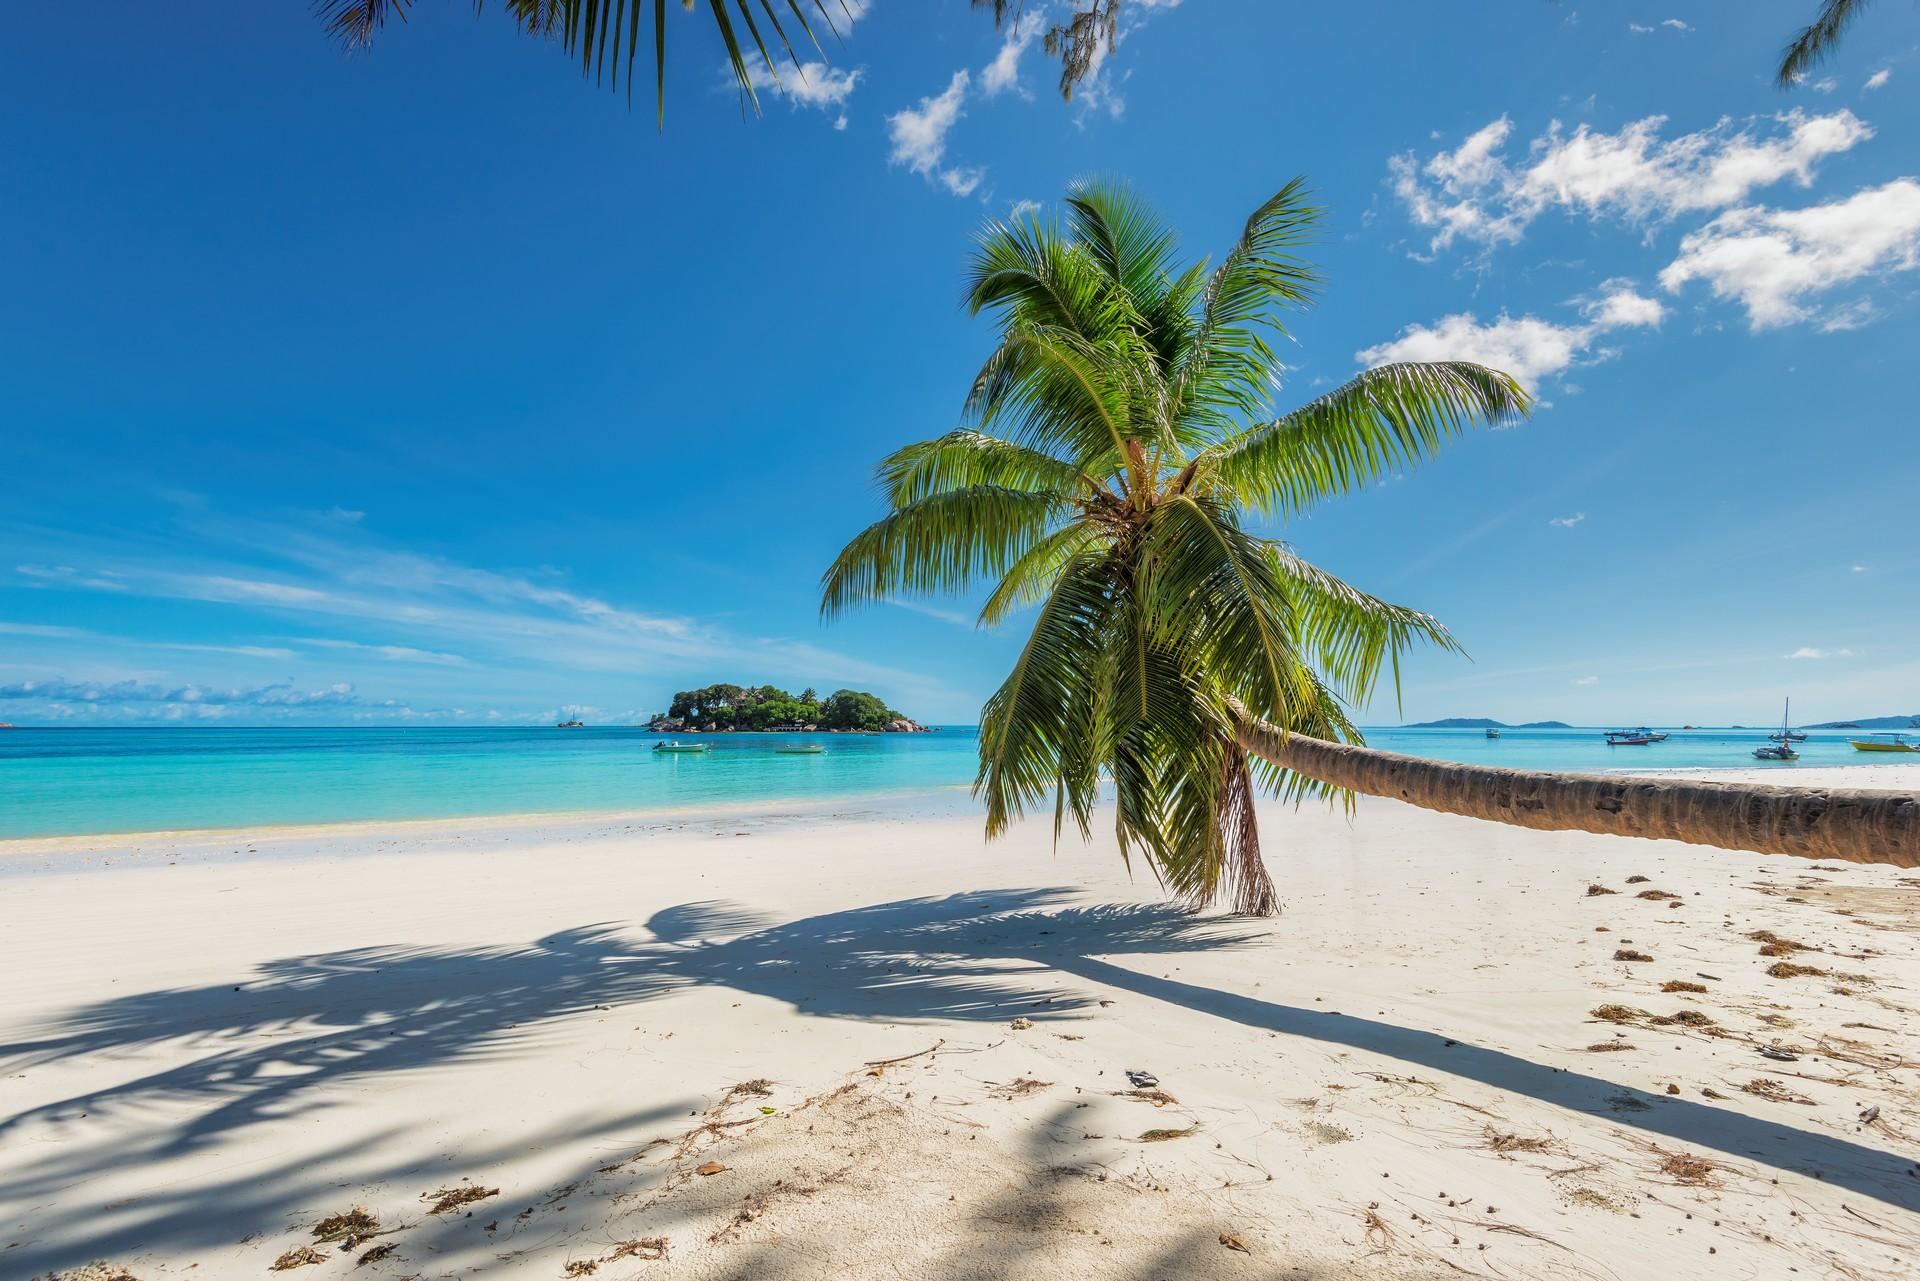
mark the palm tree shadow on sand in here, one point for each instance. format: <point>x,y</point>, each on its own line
<point>985,957</point>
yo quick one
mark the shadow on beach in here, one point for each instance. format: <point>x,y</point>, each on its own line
<point>987,957</point>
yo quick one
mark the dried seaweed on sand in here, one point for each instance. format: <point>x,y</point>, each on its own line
<point>445,1199</point>
<point>352,1227</point>
<point>1617,1013</point>
<point>1767,1088</point>
<point>298,1257</point>
<point>1682,985</point>
<point>1788,970</point>
<point>649,1248</point>
<point>1685,1167</point>
<point>1507,1143</point>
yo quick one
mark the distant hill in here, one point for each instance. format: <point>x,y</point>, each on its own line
<point>1481,722</point>
<point>1872,722</point>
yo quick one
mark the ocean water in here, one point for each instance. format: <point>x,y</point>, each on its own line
<point>57,782</point>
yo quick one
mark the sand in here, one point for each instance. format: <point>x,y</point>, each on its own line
<point>212,1043</point>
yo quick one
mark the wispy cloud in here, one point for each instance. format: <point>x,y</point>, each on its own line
<point>487,632</point>
<point>1567,522</point>
<point>397,653</point>
<point>1878,78</point>
<point>1003,73</point>
<point>1586,680</point>
<point>919,137</point>
<point>1808,651</point>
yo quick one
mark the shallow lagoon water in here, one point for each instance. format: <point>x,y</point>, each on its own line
<point>59,782</point>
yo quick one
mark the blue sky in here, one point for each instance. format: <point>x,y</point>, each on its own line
<point>433,384</point>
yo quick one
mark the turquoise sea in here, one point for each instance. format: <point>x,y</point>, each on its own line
<point>56,782</point>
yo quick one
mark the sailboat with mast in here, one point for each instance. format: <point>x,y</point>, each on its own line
<point>1781,746</point>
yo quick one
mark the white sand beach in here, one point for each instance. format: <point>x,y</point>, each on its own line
<point>874,1047</point>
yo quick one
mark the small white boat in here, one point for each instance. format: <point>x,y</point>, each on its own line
<point>802,749</point>
<point>672,746</point>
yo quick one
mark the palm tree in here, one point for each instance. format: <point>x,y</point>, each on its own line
<point>1817,40</point>
<point>1121,435</point>
<point>606,35</point>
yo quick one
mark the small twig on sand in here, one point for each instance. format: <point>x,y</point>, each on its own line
<point>904,1057</point>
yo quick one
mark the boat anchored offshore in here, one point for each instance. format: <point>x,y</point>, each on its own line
<point>686,748</point>
<point>1493,733</point>
<point>802,749</point>
<point>1780,748</point>
<point>1885,743</point>
<point>1629,738</point>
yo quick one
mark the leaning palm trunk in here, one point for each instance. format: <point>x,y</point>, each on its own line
<point>1849,824</point>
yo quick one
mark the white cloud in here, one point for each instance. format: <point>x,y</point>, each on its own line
<point>1003,73</point>
<point>1474,193</point>
<point>1859,569</point>
<point>1021,208</point>
<point>1527,347</point>
<point>1808,651</point>
<point>1774,261</point>
<point>1878,78</point>
<point>1586,680</point>
<point>1567,522</point>
<point>1639,29</point>
<point>919,137</point>
<point>812,85</point>
<point>1676,24</point>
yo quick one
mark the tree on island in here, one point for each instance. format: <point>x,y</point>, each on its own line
<point>1122,440</point>
<point>765,707</point>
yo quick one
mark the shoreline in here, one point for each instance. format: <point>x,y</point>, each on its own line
<point>1891,775</point>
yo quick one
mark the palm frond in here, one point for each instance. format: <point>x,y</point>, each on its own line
<point>1034,576</point>
<point>354,22</point>
<point>1816,40</point>
<point>1038,733</point>
<point>1227,371</point>
<point>1350,634</point>
<point>1056,391</point>
<point>1385,419</point>
<point>938,544</point>
<point>962,459</point>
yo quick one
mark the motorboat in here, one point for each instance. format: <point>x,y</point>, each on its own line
<point>802,749</point>
<point>1628,738</point>
<point>1885,743</point>
<point>672,746</point>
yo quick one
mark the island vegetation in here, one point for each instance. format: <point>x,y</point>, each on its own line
<point>767,708</point>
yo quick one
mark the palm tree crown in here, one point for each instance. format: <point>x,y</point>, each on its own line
<point>1121,433</point>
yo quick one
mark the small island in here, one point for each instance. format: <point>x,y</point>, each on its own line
<point>771,710</point>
